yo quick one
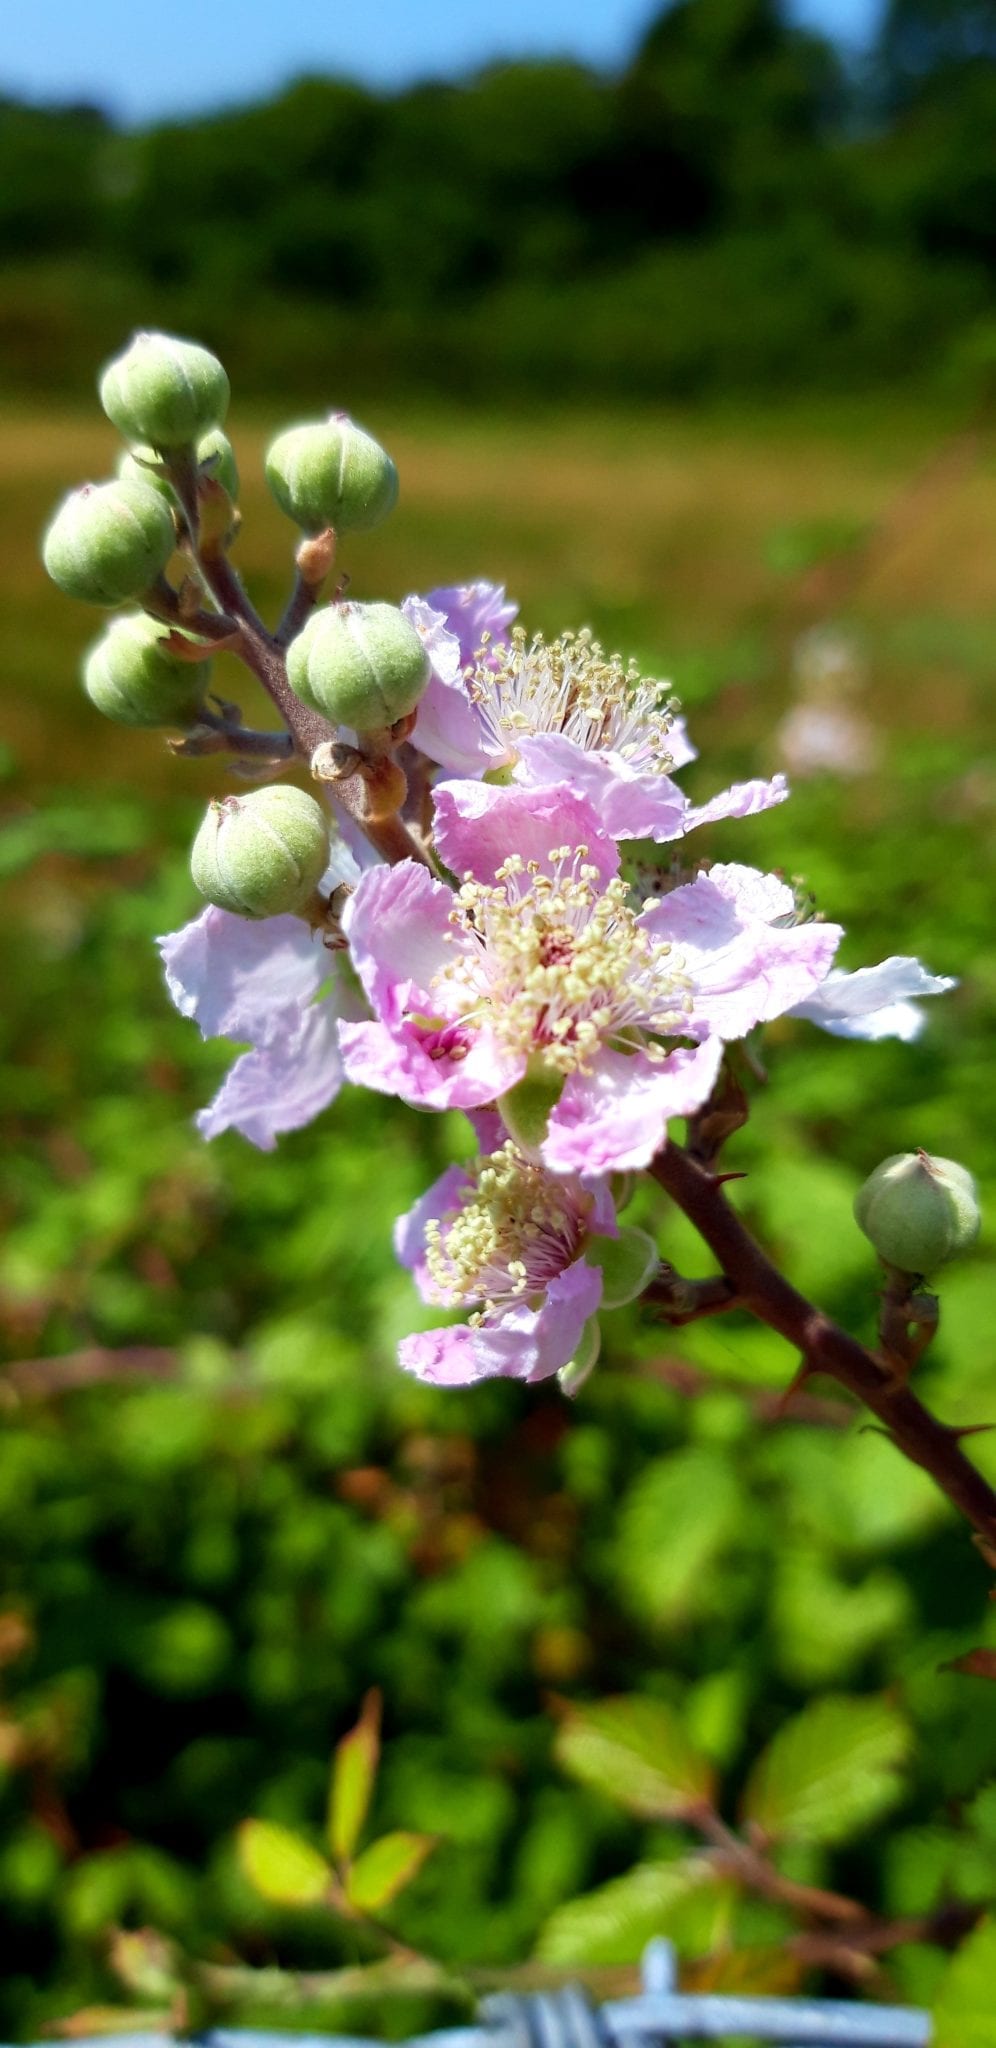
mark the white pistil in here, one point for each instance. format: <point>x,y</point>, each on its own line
<point>515,1229</point>
<point>571,686</point>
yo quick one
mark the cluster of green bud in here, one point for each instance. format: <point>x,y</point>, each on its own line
<point>130,675</point>
<point>360,665</point>
<point>334,474</point>
<point>262,854</point>
<point>109,542</point>
<point>164,391</point>
<point>918,1212</point>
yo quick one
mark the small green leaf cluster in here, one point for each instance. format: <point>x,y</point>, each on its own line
<point>287,1871</point>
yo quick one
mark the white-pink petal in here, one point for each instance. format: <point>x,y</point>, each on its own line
<point>521,1343</point>
<point>232,974</point>
<point>631,803</point>
<point>615,1118</point>
<point>479,825</point>
<point>742,970</point>
<point>392,1058</point>
<point>741,800</point>
<point>282,1084</point>
<point>874,1002</point>
<point>398,926</point>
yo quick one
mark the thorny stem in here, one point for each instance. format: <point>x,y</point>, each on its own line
<point>825,1348</point>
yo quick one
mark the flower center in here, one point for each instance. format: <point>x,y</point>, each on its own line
<point>560,965</point>
<point>515,1229</point>
<point>571,686</point>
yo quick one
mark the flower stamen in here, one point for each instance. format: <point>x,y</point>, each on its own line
<point>571,686</point>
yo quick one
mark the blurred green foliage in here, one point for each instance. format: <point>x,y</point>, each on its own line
<point>743,208</point>
<point>224,1514</point>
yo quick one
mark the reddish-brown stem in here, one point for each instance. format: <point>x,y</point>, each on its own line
<point>824,1347</point>
<point>34,1379</point>
<point>261,654</point>
<point>753,1870</point>
<point>685,1301</point>
<point>222,732</point>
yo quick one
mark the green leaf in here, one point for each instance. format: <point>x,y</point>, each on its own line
<point>829,1771</point>
<point>637,1752</point>
<point>614,1923</point>
<point>385,1868</point>
<point>281,1866</point>
<point>965,2012</point>
<point>354,1769</point>
<point>675,1521</point>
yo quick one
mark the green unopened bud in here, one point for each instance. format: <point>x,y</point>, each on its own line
<point>360,665</point>
<point>109,542</point>
<point>918,1212</point>
<point>130,676</point>
<point>164,391</point>
<point>627,1262</point>
<point>263,853</point>
<point>332,474</point>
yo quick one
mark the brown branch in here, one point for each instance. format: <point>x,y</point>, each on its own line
<point>764,1402</point>
<point>315,558</point>
<point>824,1347</point>
<point>751,1868</point>
<point>215,735</point>
<point>33,1379</point>
<point>686,1301</point>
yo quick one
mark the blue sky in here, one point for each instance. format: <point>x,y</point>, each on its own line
<point>141,60</point>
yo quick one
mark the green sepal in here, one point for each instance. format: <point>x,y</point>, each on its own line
<point>626,1262</point>
<point>578,1369</point>
<point>527,1107</point>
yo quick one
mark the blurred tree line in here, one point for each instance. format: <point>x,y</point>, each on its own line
<point>742,208</point>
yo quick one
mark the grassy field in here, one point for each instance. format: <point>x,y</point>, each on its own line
<point>225,1560</point>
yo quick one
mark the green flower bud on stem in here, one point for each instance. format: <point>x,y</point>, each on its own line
<point>918,1212</point>
<point>261,854</point>
<point>360,665</point>
<point>165,391</point>
<point>109,542</point>
<point>332,474</point>
<point>131,677</point>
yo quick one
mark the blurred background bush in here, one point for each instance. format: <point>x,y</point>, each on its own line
<point>721,328</point>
